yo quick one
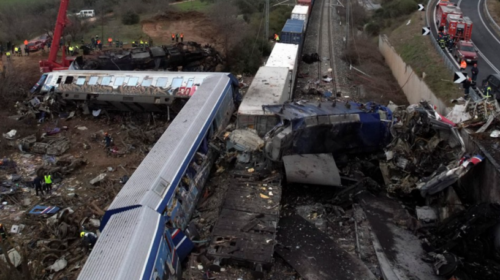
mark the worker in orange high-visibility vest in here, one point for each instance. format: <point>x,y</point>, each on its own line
<point>110,41</point>
<point>25,42</point>
<point>463,65</point>
<point>173,37</point>
<point>182,37</point>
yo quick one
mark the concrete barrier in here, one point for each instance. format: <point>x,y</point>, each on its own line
<point>413,86</point>
<point>479,185</point>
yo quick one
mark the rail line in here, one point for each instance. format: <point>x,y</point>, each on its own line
<point>321,50</point>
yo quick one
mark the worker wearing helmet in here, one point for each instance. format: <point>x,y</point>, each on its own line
<point>3,234</point>
<point>88,238</point>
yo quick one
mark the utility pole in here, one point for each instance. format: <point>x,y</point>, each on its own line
<point>267,18</point>
<point>102,21</point>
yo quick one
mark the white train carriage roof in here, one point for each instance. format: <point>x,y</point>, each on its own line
<point>284,55</point>
<point>115,79</point>
<point>166,162</point>
<point>129,236</point>
<point>269,87</point>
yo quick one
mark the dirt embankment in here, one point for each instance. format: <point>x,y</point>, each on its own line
<point>194,25</point>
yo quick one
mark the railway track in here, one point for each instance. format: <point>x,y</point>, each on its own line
<point>325,42</point>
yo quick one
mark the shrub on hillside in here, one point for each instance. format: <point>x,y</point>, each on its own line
<point>130,18</point>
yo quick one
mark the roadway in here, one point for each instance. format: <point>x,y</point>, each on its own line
<point>485,35</point>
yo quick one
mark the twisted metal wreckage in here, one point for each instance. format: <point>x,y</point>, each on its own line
<point>424,153</point>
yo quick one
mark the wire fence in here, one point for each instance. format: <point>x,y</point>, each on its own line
<point>446,59</point>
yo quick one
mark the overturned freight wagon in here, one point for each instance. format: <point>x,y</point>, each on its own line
<point>271,86</point>
<point>125,90</point>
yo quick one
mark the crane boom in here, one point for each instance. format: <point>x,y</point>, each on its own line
<point>51,63</point>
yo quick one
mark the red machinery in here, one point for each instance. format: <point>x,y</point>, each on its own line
<point>443,11</point>
<point>460,28</point>
<point>51,63</point>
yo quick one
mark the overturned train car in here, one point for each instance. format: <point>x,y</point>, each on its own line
<point>145,91</point>
<point>145,231</point>
<point>328,127</point>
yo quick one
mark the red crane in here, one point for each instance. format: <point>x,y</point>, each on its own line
<point>51,63</point>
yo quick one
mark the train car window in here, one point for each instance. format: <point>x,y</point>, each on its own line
<point>161,82</point>
<point>132,81</point>
<point>190,83</point>
<point>68,80</point>
<point>49,79</point>
<point>80,81</point>
<point>105,81</point>
<point>177,82</point>
<point>147,82</point>
<point>59,80</point>
<point>93,80</point>
<point>161,187</point>
<point>119,81</point>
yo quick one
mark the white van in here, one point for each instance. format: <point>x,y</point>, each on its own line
<point>86,13</point>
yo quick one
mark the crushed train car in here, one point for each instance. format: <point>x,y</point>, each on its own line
<point>327,127</point>
<point>190,56</point>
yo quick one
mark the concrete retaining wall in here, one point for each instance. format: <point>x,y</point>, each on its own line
<point>482,183</point>
<point>413,87</point>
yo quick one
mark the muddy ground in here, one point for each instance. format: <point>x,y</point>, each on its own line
<point>196,27</point>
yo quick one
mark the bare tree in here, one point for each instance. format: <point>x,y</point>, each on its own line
<point>230,29</point>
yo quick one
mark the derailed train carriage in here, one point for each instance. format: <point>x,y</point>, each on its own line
<point>145,231</point>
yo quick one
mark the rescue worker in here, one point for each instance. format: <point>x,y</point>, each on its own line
<point>487,91</point>
<point>48,184</point>
<point>7,54</point>
<point>88,238</point>
<point>474,71</point>
<point>3,234</point>
<point>37,182</point>
<point>26,50</point>
<point>463,65</point>
<point>141,43</point>
<point>276,37</point>
<point>99,44</point>
<point>442,42</point>
<point>173,37</point>
<point>107,140</point>
<point>467,85</point>
<point>177,37</point>
<point>451,44</point>
<point>182,37</point>
<point>25,42</point>
<point>71,50</point>
<point>110,42</point>
<point>17,51</point>
<point>93,42</point>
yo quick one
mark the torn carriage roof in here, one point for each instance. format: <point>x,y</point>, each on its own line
<point>357,126</point>
<point>293,111</point>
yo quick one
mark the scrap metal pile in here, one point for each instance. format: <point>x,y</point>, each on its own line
<point>423,145</point>
<point>190,56</point>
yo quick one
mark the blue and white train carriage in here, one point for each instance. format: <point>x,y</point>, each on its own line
<point>144,231</point>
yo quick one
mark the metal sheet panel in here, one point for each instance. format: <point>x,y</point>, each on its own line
<point>316,169</point>
<point>121,250</point>
<point>162,168</point>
